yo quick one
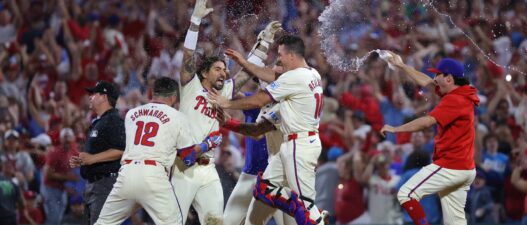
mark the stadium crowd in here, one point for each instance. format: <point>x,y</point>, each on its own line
<point>50,51</point>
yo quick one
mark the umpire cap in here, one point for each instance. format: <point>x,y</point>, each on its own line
<point>106,88</point>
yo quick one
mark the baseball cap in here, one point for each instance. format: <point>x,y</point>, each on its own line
<point>334,152</point>
<point>449,66</point>
<point>76,199</point>
<point>106,88</point>
<point>29,195</point>
<point>11,134</point>
<point>41,140</point>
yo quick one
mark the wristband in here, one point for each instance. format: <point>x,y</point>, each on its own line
<point>191,40</point>
<point>204,147</point>
<point>256,60</point>
<point>233,125</point>
<point>195,20</point>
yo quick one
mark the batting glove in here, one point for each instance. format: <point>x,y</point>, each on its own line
<point>188,155</point>
<point>200,11</point>
<point>265,38</point>
<point>212,141</point>
<point>267,34</point>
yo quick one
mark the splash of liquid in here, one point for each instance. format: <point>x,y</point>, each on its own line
<point>341,25</point>
<point>430,4</point>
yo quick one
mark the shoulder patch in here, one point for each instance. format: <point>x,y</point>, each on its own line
<point>274,85</point>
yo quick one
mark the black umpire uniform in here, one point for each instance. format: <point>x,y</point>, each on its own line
<point>106,132</point>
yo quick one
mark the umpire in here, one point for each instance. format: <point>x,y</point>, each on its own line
<point>105,143</point>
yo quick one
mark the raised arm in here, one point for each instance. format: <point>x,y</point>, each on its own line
<point>421,79</point>
<point>191,40</point>
<point>263,73</point>
<point>256,57</point>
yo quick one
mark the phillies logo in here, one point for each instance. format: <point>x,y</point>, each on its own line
<point>207,111</point>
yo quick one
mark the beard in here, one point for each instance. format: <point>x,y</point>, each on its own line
<point>218,85</point>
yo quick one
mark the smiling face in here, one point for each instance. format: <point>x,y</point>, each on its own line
<point>216,75</point>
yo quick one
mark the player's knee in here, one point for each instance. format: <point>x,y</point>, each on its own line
<point>403,195</point>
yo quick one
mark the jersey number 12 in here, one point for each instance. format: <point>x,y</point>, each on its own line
<point>144,132</point>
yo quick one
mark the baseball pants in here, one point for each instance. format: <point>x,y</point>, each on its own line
<point>199,186</point>
<point>147,185</point>
<point>295,166</point>
<point>451,186</point>
<point>241,199</point>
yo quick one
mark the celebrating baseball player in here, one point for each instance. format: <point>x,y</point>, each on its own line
<point>300,93</point>
<point>241,205</point>
<point>452,171</point>
<point>153,133</point>
<point>199,185</point>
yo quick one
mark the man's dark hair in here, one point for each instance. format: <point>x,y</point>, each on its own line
<point>206,64</point>
<point>461,81</point>
<point>112,101</point>
<point>293,44</point>
<point>488,137</point>
<point>165,87</point>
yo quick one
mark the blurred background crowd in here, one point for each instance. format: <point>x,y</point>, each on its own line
<point>50,51</point>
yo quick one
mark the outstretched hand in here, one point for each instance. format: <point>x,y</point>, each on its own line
<point>395,59</point>
<point>201,10</point>
<point>268,33</point>
<point>236,56</point>
<point>387,128</point>
<point>218,100</point>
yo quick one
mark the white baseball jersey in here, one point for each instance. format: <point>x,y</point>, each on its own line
<point>154,131</point>
<point>382,200</point>
<point>271,113</point>
<point>302,88</point>
<point>194,103</point>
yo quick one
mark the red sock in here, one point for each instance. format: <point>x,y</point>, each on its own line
<point>416,212</point>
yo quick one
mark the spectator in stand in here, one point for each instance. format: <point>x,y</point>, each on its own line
<point>56,173</point>
<point>479,201</point>
<point>495,164</point>
<point>35,214</point>
<point>10,196</point>
<point>383,206</point>
<point>520,182</point>
<point>20,160</point>
<point>354,172</point>
<point>76,211</point>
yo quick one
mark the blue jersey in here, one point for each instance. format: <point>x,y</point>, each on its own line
<point>255,150</point>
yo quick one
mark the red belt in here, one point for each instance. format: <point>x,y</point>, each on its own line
<point>146,162</point>
<point>296,135</point>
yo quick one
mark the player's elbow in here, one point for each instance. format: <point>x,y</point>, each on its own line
<point>429,121</point>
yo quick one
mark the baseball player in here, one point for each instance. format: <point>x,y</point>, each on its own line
<point>452,170</point>
<point>257,153</point>
<point>299,91</point>
<point>153,133</point>
<point>201,186</point>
